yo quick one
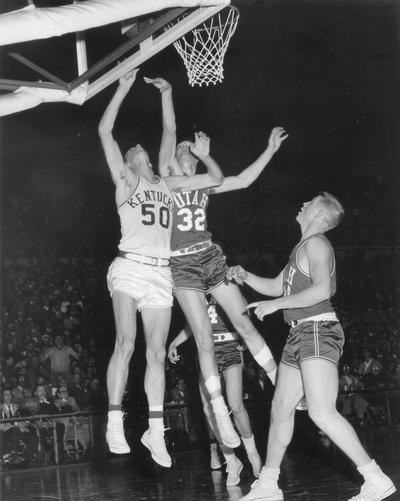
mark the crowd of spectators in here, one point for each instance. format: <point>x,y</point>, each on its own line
<point>52,361</point>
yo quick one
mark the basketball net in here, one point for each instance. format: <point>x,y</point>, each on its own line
<point>203,49</point>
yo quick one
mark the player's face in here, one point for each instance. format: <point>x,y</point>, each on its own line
<point>309,210</point>
<point>137,159</point>
<point>187,162</point>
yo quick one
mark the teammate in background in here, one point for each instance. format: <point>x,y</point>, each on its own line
<point>228,355</point>
<point>139,279</point>
<point>198,265</point>
<point>312,351</point>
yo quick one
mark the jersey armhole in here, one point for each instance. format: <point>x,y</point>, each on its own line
<point>322,237</point>
<point>132,193</point>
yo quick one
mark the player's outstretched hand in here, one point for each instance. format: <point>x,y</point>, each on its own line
<point>263,308</point>
<point>237,274</point>
<point>276,138</point>
<point>173,354</point>
<point>128,79</point>
<point>161,84</point>
<point>201,145</point>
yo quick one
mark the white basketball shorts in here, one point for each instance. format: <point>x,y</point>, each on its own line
<point>150,286</point>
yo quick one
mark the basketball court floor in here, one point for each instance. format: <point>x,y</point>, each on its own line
<point>315,474</point>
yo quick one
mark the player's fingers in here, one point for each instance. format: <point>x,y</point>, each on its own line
<point>252,305</point>
<point>234,271</point>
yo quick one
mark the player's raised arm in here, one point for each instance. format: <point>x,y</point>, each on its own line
<point>166,157</point>
<point>252,172</point>
<point>272,287</point>
<point>110,146</point>
<point>201,149</point>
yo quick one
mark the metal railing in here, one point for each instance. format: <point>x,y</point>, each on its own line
<point>189,418</point>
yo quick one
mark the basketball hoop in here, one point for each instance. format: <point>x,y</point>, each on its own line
<point>203,49</point>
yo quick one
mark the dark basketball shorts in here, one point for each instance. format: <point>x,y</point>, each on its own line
<point>314,340</point>
<point>201,271</point>
<point>227,355</point>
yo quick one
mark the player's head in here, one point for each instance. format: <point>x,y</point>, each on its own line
<point>186,161</point>
<point>324,208</point>
<point>137,160</point>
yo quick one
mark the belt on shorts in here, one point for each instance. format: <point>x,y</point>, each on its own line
<point>142,259</point>
<point>222,337</point>
<point>323,317</point>
<point>193,248</point>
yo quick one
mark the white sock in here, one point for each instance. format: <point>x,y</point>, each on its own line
<point>219,405</point>
<point>249,444</point>
<point>228,454</point>
<point>156,424</point>
<point>115,416</point>
<point>270,474</point>
<point>369,468</point>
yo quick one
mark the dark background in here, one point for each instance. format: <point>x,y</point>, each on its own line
<point>326,70</point>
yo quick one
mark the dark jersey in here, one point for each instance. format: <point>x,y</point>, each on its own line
<point>190,219</point>
<point>220,322</point>
<point>295,279</point>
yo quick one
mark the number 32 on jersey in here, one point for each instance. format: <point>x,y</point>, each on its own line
<point>189,220</point>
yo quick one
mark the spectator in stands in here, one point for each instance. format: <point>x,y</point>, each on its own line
<point>76,390</point>
<point>351,400</point>
<point>46,406</point>
<point>10,350</point>
<point>258,386</point>
<point>396,374</point>
<point>59,356</point>
<point>179,393</point>
<point>42,381</point>
<point>32,371</point>
<point>67,404</point>
<point>9,371</point>
<point>20,392</point>
<point>99,397</point>
<point>87,400</point>
<point>367,363</point>
<point>14,433</point>
<point>375,377</point>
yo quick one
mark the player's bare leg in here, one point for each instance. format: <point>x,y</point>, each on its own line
<point>234,393</point>
<point>232,301</point>
<point>125,309</point>
<point>194,306</point>
<point>156,323</point>
<point>288,392</point>
<point>233,464</point>
<point>320,380</point>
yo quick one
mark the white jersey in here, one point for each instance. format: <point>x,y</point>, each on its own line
<point>146,219</point>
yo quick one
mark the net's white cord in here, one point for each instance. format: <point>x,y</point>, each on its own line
<point>203,49</point>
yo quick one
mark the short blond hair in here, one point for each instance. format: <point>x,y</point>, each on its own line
<point>332,208</point>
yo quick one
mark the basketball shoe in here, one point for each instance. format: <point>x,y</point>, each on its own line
<point>154,440</point>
